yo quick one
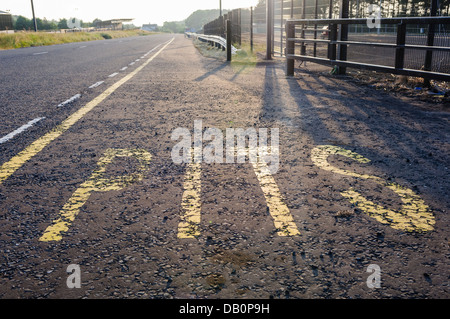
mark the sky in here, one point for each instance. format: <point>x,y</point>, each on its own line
<point>143,11</point>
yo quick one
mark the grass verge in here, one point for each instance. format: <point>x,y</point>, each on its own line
<point>33,39</point>
<point>244,55</point>
<point>244,61</point>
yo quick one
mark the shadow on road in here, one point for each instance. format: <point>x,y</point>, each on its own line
<point>407,143</point>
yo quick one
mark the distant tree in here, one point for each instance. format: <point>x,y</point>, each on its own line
<point>129,26</point>
<point>44,24</point>
<point>62,24</point>
<point>199,18</point>
<point>22,23</point>
<point>96,22</point>
<point>174,26</point>
<point>86,24</point>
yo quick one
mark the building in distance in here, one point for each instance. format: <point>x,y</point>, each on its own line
<point>6,22</point>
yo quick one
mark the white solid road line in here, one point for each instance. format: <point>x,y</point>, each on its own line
<point>72,99</point>
<point>20,130</point>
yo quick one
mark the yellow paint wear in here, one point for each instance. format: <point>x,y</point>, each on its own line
<point>191,204</point>
<point>283,220</point>
<point>414,215</point>
<point>96,183</point>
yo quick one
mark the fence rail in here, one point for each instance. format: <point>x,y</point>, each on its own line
<point>213,40</point>
<point>337,47</point>
<point>412,38</point>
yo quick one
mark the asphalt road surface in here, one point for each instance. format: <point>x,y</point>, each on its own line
<point>92,204</point>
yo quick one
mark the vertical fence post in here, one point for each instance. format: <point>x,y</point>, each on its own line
<point>430,41</point>
<point>229,40</point>
<point>230,17</point>
<point>330,16</point>
<point>303,48</point>
<point>281,26</point>
<point>222,26</point>
<point>290,48</point>
<point>330,10</point>
<point>400,50</point>
<point>251,29</point>
<point>273,27</point>
<point>343,35</point>
<point>333,38</point>
<point>292,9</point>
<point>239,28</point>
<point>316,12</point>
<point>269,22</point>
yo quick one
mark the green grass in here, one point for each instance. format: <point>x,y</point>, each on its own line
<point>34,39</point>
<point>244,55</point>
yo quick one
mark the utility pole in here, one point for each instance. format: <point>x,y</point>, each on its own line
<point>34,17</point>
<point>220,4</point>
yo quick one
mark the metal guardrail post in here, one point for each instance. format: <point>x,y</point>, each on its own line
<point>229,33</point>
<point>290,48</point>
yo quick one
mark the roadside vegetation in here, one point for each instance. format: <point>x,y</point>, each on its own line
<point>244,55</point>
<point>34,39</point>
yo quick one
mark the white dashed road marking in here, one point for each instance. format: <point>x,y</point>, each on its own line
<point>21,129</point>
<point>72,99</point>
<point>96,84</point>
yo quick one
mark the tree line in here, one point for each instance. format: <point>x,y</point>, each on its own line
<point>193,23</point>
<point>22,23</point>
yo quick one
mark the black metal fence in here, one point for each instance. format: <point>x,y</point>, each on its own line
<point>248,25</point>
<point>265,25</point>
<point>338,44</point>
